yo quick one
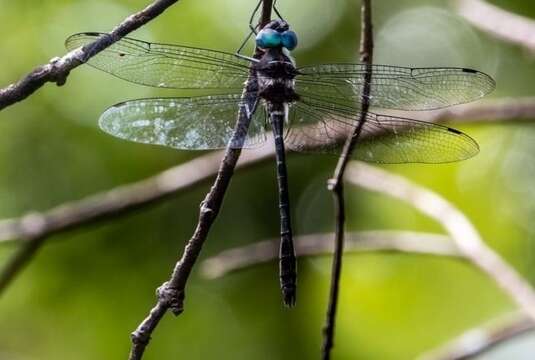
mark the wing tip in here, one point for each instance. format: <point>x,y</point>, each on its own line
<point>79,35</point>
<point>468,70</point>
<point>91,33</point>
<point>455,131</point>
<point>489,82</point>
<point>87,33</point>
<point>471,148</point>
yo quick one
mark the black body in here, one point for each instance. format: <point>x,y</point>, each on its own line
<point>324,113</point>
<point>275,73</point>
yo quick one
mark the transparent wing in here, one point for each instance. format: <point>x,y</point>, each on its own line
<point>197,123</point>
<point>317,126</point>
<point>166,66</point>
<point>394,87</point>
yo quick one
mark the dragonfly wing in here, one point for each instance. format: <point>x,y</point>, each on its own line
<point>165,66</point>
<point>394,87</point>
<point>316,126</point>
<point>196,123</point>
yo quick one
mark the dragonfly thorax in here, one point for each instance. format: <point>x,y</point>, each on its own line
<point>276,72</point>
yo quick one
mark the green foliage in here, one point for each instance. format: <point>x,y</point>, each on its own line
<point>88,289</point>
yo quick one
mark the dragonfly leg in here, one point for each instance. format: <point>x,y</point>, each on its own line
<point>277,10</point>
<point>253,31</point>
<point>246,57</point>
<point>251,20</point>
<point>241,56</point>
<point>287,260</point>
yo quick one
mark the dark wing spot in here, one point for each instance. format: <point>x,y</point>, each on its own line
<point>118,105</point>
<point>469,70</point>
<point>455,131</point>
<point>92,34</point>
<point>122,54</point>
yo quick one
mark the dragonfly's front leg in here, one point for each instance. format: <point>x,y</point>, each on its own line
<point>287,261</point>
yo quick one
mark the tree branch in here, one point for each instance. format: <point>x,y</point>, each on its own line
<point>458,227</point>
<point>502,24</point>
<point>241,258</point>
<point>336,183</point>
<point>58,69</point>
<point>171,294</point>
<point>479,340</point>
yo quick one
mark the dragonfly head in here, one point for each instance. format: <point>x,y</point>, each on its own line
<point>276,34</point>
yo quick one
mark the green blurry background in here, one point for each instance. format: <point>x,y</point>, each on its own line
<point>88,289</point>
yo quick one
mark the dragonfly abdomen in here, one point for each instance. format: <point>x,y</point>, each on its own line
<point>287,261</point>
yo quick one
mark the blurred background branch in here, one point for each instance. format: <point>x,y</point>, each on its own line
<point>463,243</point>
<point>500,110</point>
<point>241,258</point>
<point>482,339</point>
<point>32,229</point>
<point>500,23</point>
<point>455,223</point>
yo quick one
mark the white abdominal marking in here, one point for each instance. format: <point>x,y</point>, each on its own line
<point>247,110</point>
<point>265,82</point>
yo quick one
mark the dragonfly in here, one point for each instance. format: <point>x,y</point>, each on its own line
<point>310,109</point>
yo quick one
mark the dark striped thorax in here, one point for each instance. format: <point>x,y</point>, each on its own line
<point>276,71</point>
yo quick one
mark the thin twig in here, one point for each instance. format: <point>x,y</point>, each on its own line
<point>171,294</point>
<point>458,227</point>
<point>58,69</point>
<point>321,244</point>
<point>500,23</point>
<point>34,227</point>
<point>479,340</point>
<point>336,183</point>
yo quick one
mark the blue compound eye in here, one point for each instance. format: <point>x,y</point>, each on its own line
<point>268,38</point>
<point>289,40</point>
